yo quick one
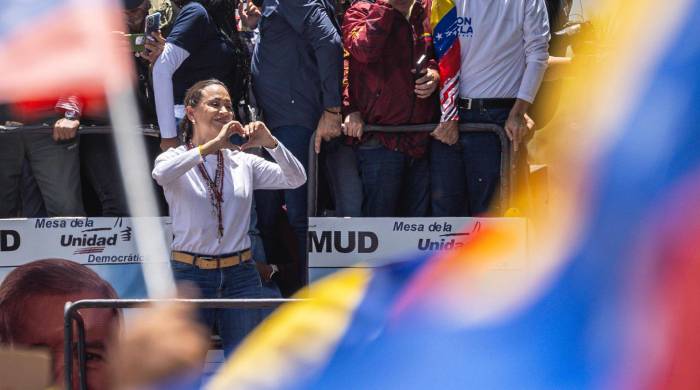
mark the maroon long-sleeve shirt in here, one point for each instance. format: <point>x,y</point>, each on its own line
<point>382,49</point>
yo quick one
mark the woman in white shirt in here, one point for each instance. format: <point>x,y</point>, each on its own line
<point>209,183</point>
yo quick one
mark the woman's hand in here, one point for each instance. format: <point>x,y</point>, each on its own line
<point>258,135</point>
<point>223,139</point>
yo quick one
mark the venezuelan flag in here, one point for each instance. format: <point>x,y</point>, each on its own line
<point>610,299</point>
<point>443,20</point>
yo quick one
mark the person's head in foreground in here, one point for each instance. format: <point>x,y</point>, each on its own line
<point>32,299</point>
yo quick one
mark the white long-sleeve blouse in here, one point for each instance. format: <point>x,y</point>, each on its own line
<point>194,220</point>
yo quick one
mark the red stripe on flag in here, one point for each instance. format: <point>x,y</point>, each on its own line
<point>449,63</point>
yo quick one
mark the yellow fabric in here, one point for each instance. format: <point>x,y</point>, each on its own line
<point>438,9</point>
<point>298,338</point>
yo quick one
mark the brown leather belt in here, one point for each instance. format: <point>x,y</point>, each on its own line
<point>212,262</point>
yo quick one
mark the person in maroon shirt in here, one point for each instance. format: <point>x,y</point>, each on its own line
<point>384,40</point>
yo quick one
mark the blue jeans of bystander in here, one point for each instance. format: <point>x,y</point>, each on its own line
<point>465,176</point>
<point>394,184</point>
<point>344,178</point>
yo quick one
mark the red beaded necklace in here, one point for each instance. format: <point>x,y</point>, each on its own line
<point>215,187</point>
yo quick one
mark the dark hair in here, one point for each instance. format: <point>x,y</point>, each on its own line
<point>44,277</point>
<point>192,97</point>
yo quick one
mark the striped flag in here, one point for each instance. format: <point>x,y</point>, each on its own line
<point>443,20</point>
<point>54,48</point>
<point>49,48</point>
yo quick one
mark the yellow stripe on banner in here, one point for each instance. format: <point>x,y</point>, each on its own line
<point>298,338</point>
<point>438,9</point>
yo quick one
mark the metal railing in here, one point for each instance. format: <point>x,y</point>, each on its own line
<point>148,130</point>
<point>72,316</point>
<point>507,169</point>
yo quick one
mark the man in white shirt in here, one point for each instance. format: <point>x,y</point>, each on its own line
<point>503,47</point>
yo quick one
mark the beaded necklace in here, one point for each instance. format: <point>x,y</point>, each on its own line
<point>215,187</point>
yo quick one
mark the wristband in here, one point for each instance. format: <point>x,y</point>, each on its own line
<point>332,112</point>
<point>71,115</point>
<point>199,147</point>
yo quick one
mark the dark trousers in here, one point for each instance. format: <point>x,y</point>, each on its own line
<point>343,177</point>
<point>54,165</point>
<point>465,177</point>
<point>269,203</point>
<point>99,162</point>
<point>394,184</point>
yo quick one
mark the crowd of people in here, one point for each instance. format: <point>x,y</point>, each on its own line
<point>240,90</point>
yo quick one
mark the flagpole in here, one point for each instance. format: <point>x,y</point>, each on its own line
<point>148,229</point>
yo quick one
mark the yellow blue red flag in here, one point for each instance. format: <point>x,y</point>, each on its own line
<point>609,300</point>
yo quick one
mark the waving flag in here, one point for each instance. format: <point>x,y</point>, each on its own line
<point>443,20</point>
<point>49,48</point>
<point>53,48</point>
<point>617,310</point>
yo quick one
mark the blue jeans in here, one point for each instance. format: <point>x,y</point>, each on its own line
<point>343,178</point>
<point>269,203</point>
<point>240,281</point>
<point>465,177</point>
<point>394,184</point>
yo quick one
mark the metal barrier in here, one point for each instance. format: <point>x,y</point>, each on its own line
<point>148,130</point>
<point>71,315</point>
<point>507,159</point>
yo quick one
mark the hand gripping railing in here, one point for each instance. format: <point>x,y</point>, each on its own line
<point>507,171</point>
<point>71,315</point>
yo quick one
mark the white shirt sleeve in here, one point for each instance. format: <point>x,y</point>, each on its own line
<point>165,66</point>
<point>536,35</point>
<point>286,173</point>
<point>173,163</point>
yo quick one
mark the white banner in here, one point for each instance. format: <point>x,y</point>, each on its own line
<point>345,242</point>
<point>105,244</point>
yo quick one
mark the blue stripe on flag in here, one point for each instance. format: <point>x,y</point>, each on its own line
<point>445,33</point>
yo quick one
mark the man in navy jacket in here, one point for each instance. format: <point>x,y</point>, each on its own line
<point>297,71</point>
